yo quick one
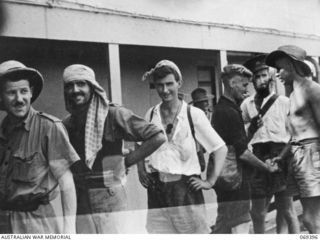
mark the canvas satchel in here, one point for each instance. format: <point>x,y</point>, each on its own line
<point>230,177</point>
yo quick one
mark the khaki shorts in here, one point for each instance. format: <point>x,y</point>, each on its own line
<point>306,167</point>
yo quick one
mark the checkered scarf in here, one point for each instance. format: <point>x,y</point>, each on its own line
<point>97,111</point>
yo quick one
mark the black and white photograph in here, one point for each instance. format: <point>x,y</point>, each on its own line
<point>159,117</point>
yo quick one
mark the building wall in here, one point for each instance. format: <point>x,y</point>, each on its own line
<point>205,24</point>
<point>50,58</point>
<point>135,61</point>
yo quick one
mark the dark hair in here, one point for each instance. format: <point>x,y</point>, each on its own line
<point>163,71</point>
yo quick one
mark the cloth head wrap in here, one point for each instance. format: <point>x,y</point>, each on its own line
<point>149,74</point>
<point>97,111</point>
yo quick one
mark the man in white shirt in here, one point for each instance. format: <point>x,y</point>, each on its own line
<point>267,141</point>
<point>172,173</point>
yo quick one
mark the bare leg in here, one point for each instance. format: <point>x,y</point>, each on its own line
<point>282,226</point>
<point>287,214</point>
<point>258,213</point>
<point>311,213</point>
<point>242,228</point>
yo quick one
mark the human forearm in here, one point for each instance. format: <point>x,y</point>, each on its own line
<point>69,203</point>
<point>249,158</point>
<point>214,169</point>
<point>145,149</point>
<point>285,152</point>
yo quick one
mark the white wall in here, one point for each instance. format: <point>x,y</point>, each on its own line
<point>301,16</point>
<point>246,25</point>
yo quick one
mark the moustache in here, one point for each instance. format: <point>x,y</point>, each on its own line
<point>18,104</point>
<point>76,95</point>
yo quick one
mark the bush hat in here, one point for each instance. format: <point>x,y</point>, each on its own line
<point>200,94</point>
<point>14,70</point>
<point>293,52</point>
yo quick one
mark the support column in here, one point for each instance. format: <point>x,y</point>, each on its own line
<point>115,74</point>
<point>222,61</point>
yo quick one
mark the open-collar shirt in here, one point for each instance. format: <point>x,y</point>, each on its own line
<point>274,121</point>
<point>179,155</point>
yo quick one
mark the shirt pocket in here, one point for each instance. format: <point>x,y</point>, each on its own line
<point>26,168</point>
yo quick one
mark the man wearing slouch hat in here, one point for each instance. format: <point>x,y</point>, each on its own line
<point>304,125</point>
<point>36,184</point>
<point>97,130</point>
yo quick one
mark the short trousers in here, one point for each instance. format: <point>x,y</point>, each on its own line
<point>265,184</point>
<point>107,211</point>
<point>233,208</point>
<point>173,208</point>
<point>306,167</point>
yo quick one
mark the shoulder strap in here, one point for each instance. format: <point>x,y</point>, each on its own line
<point>191,122</point>
<point>267,105</point>
<point>253,127</point>
<point>151,113</point>
<point>200,150</point>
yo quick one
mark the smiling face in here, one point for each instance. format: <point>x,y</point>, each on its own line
<point>167,88</point>
<point>78,93</point>
<point>16,97</point>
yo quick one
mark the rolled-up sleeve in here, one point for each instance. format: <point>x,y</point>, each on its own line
<point>204,132</point>
<point>60,153</point>
<point>133,127</point>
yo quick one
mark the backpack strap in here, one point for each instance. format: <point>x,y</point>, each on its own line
<point>200,150</point>
<point>191,122</point>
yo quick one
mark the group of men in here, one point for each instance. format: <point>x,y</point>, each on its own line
<point>68,176</point>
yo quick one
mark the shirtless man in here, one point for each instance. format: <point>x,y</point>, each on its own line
<point>304,125</point>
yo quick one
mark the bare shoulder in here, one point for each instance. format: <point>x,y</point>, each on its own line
<point>312,91</point>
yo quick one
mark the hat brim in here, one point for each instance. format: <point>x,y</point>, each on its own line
<point>32,75</point>
<point>209,97</point>
<point>275,55</point>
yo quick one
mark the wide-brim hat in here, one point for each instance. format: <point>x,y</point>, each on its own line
<point>199,95</point>
<point>14,70</point>
<point>256,63</point>
<point>293,52</point>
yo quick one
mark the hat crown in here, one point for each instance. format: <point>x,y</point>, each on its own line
<point>198,95</point>
<point>256,63</point>
<point>78,71</point>
<point>294,51</point>
<point>10,65</point>
<point>169,64</point>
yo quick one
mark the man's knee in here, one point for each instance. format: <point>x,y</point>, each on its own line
<point>258,214</point>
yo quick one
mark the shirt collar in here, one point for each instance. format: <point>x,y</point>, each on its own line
<point>231,103</point>
<point>180,115</point>
<point>26,123</point>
